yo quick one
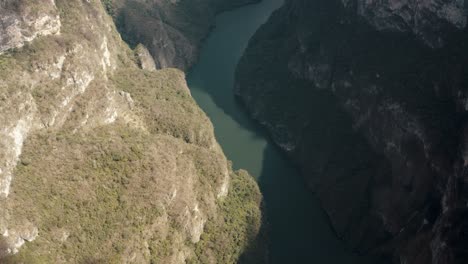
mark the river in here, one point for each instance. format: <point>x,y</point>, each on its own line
<point>299,231</point>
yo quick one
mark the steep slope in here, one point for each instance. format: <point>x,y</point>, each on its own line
<point>369,98</point>
<point>101,161</point>
<point>172,30</point>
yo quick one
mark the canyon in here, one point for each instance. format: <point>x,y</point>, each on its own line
<point>109,154</point>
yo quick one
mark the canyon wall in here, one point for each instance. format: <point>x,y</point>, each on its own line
<point>172,30</point>
<point>102,161</point>
<point>369,98</point>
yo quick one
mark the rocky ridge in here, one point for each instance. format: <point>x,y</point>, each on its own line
<point>101,161</point>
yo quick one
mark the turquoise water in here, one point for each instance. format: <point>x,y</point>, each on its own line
<point>299,230</point>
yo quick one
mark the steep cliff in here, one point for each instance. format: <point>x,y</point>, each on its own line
<point>172,30</point>
<point>102,161</point>
<point>370,99</point>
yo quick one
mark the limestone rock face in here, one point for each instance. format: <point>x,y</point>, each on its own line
<point>21,22</point>
<point>145,60</point>
<point>372,106</point>
<point>101,161</point>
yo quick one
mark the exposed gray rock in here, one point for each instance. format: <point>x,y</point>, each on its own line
<point>21,23</point>
<point>16,238</point>
<point>145,60</point>
<point>59,190</point>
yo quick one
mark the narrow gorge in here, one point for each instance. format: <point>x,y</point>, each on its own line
<point>234,131</point>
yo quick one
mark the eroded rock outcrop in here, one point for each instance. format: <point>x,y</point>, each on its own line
<point>369,98</point>
<point>22,22</point>
<point>145,60</point>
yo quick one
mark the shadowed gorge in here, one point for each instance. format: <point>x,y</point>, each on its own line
<point>234,131</point>
<point>298,230</point>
